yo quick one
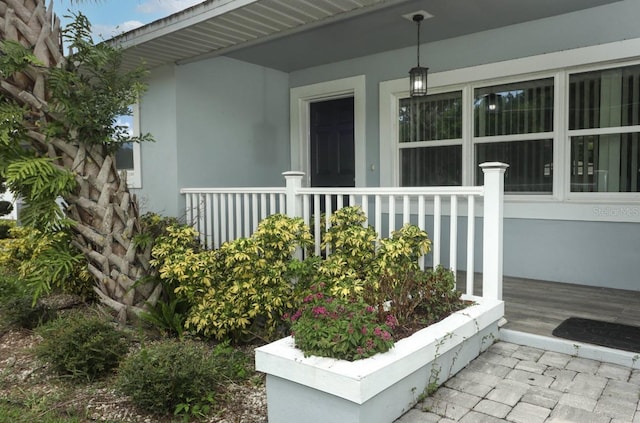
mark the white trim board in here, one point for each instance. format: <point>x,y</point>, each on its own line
<point>134,176</point>
<point>301,97</point>
<point>573,348</point>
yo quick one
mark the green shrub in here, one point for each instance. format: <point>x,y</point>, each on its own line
<point>5,226</point>
<point>439,295</point>
<point>16,304</point>
<point>20,311</point>
<point>370,294</point>
<point>10,286</point>
<point>46,261</point>
<point>81,347</point>
<point>338,328</point>
<point>167,317</point>
<point>353,249</point>
<point>245,286</point>
<point>178,376</point>
<point>154,226</point>
<point>356,266</point>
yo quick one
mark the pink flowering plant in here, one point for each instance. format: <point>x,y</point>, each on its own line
<point>339,328</point>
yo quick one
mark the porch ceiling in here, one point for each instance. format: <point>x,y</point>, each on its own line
<point>295,34</point>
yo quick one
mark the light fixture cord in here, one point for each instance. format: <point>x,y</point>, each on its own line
<point>418,43</point>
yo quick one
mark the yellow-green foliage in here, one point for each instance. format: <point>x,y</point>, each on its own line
<point>356,264</point>
<point>247,282</point>
<point>45,261</point>
<point>402,250</point>
<point>353,250</point>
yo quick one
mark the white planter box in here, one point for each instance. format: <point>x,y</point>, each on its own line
<point>380,388</point>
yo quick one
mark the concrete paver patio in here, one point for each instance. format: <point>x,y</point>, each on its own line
<point>521,384</point>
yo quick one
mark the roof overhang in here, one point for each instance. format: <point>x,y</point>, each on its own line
<point>294,34</point>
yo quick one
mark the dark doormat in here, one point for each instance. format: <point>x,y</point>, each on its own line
<point>606,334</point>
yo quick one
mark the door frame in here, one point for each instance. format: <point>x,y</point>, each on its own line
<point>300,99</point>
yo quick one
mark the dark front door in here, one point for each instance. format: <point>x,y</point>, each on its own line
<point>332,149</point>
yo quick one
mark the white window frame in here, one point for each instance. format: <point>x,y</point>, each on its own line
<point>134,176</point>
<point>300,100</point>
<point>435,143</point>
<point>562,204</point>
<point>595,196</point>
<point>554,135</point>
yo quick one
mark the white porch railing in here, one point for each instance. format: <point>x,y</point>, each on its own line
<point>224,214</point>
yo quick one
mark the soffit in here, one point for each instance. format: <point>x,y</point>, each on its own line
<point>295,34</point>
<point>221,26</point>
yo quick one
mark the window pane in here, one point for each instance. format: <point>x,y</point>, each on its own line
<point>518,108</point>
<point>434,117</point>
<point>124,157</point>
<point>605,98</point>
<point>605,163</point>
<point>530,164</point>
<point>431,166</point>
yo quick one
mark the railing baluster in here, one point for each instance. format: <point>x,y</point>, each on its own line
<point>306,213</point>
<point>255,209</point>
<point>453,235</point>
<point>216,221</point>
<point>246,213</point>
<point>188,209</point>
<point>406,210</point>
<point>272,204</point>
<point>392,214</point>
<point>421,219</point>
<point>239,216</point>
<point>365,207</point>
<point>223,219</point>
<point>201,220</point>
<point>378,205</point>
<point>209,221</point>
<point>471,229</point>
<point>282,203</point>
<point>436,230</point>
<point>316,223</point>
<point>327,213</point>
<point>339,202</point>
<point>232,222</point>
<point>263,206</point>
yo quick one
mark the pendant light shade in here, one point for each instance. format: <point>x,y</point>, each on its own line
<point>418,74</point>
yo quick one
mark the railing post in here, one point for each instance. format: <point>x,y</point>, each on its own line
<point>293,180</point>
<point>492,229</point>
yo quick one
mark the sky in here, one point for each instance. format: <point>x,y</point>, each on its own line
<point>111,17</point>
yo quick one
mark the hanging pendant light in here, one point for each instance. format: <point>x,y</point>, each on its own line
<point>418,75</point>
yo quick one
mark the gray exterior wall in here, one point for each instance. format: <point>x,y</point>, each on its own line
<point>217,123</point>
<point>585,253</point>
<point>159,191</point>
<point>222,122</point>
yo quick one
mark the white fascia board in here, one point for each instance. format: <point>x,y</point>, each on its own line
<point>178,21</point>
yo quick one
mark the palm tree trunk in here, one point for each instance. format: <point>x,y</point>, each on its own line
<point>106,215</point>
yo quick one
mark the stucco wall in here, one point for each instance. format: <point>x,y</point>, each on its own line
<point>586,253</point>
<point>233,124</point>
<point>217,122</point>
<point>159,191</point>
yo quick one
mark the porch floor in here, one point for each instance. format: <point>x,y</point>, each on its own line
<point>538,307</point>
